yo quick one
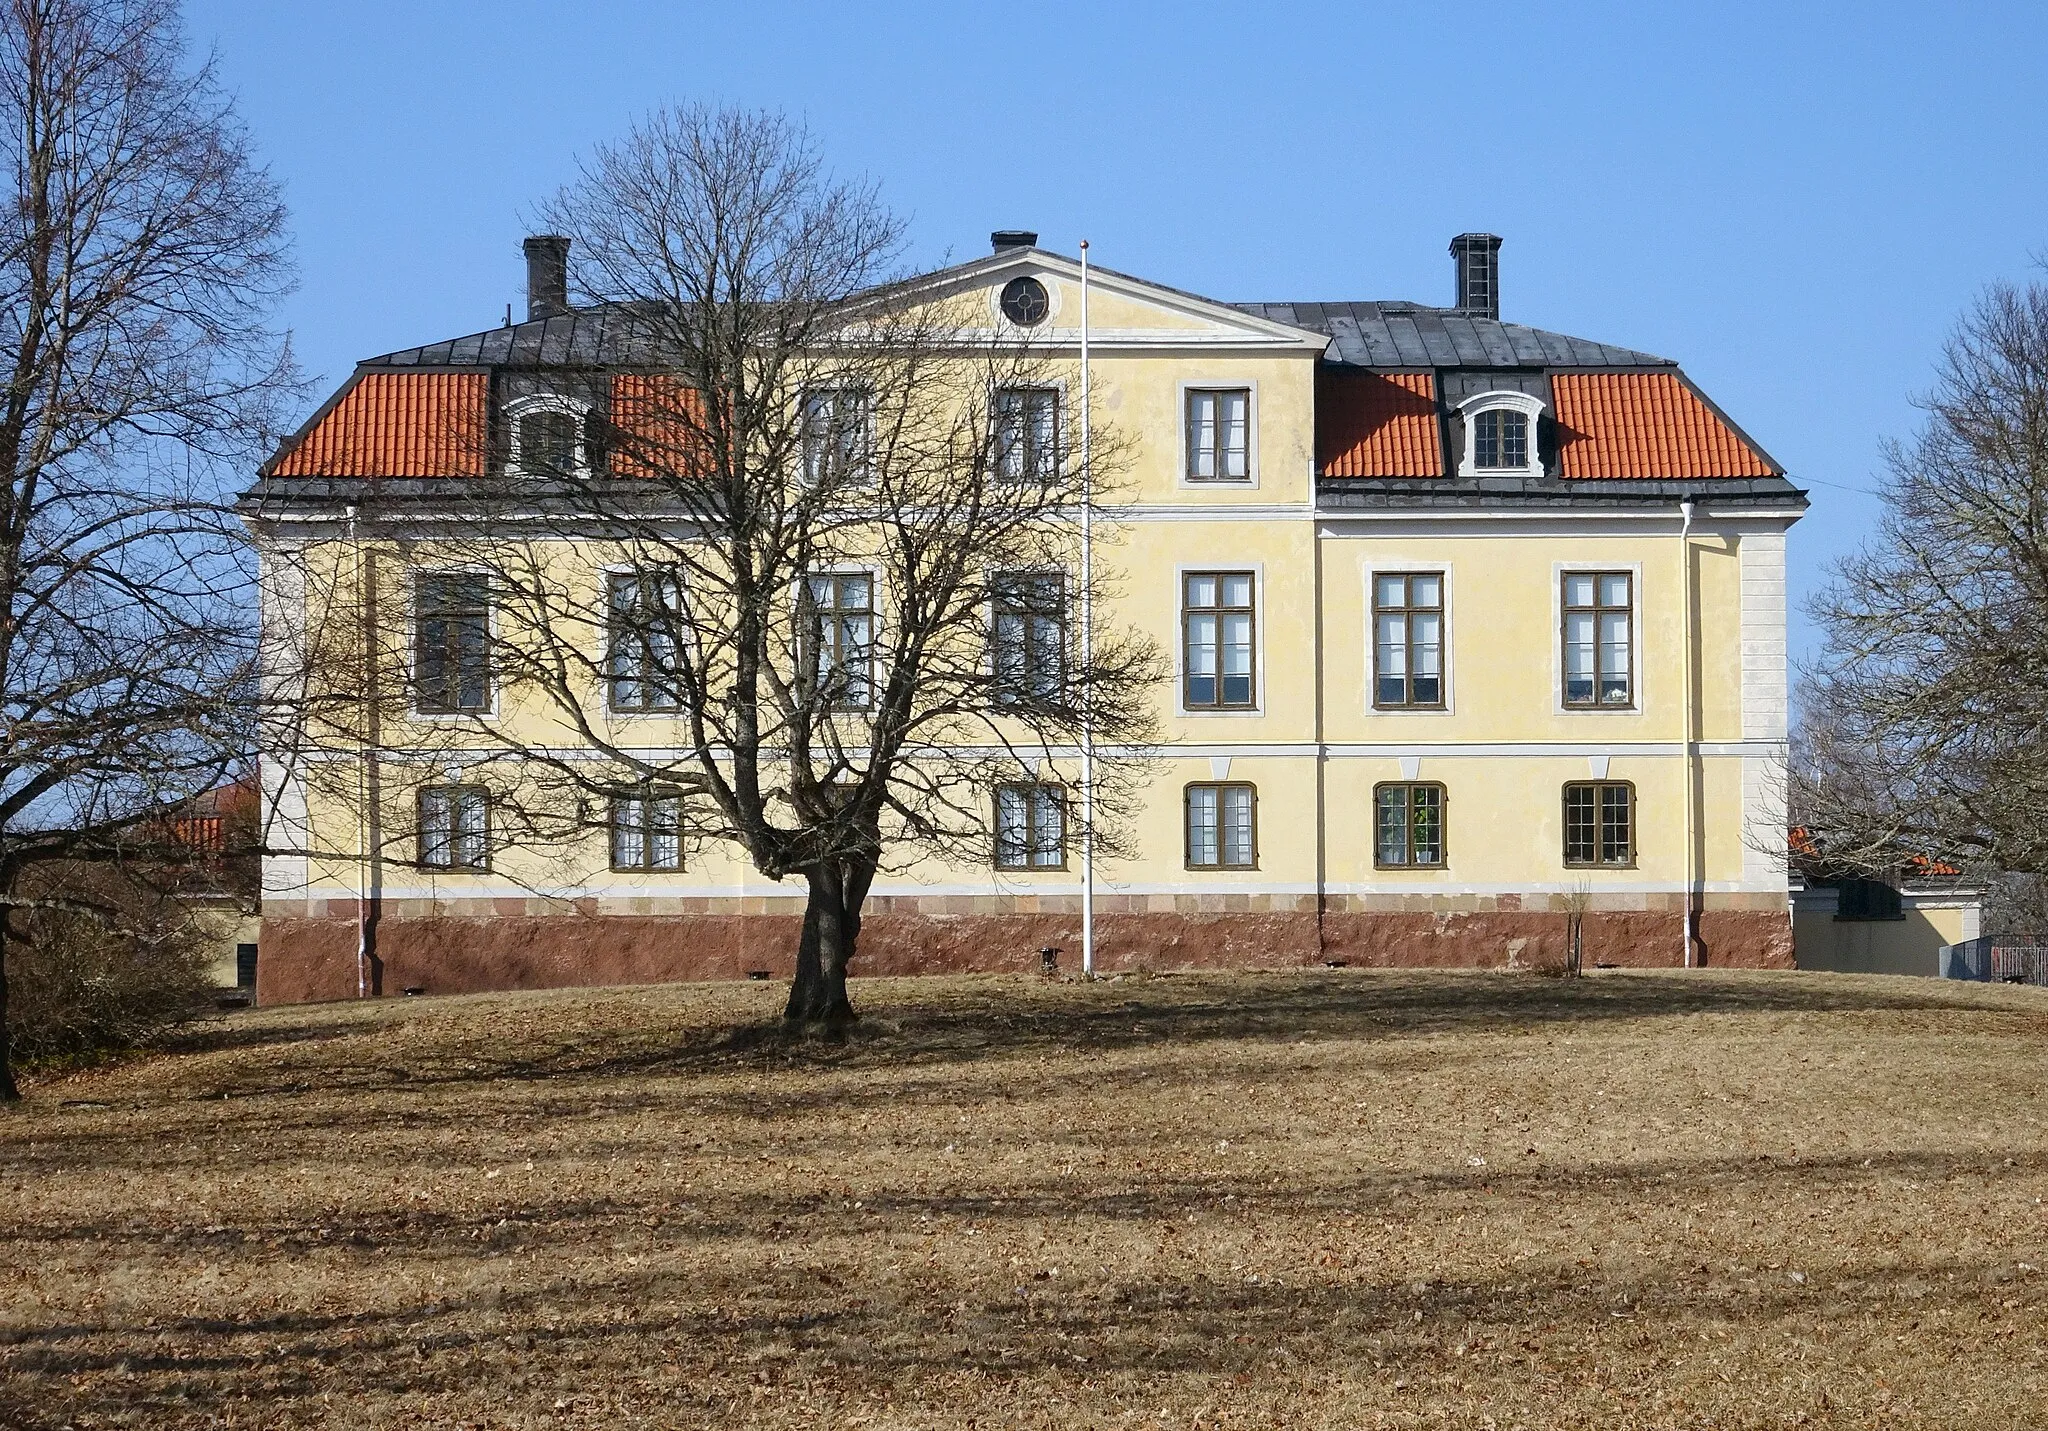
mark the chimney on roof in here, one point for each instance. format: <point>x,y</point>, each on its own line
<point>547,275</point>
<point>1012,238</point>
<point>1478,260</point>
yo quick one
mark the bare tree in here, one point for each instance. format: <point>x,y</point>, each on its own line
<point>1923,722</point>
<point>140,251</point>
<point>803,580</point>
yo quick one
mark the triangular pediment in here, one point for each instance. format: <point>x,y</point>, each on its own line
<point>1123,312</point>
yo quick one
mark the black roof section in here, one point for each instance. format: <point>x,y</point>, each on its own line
<point>1410,335</point>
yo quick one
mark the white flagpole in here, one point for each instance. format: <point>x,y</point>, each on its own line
<point>1087,646</point>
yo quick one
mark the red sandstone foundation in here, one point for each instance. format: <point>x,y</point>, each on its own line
<point>313,957</point>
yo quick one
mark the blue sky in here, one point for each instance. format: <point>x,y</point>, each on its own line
<point>1793,200</point>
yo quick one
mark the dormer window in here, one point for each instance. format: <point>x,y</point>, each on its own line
<point>1500,434</point>
<point>549,437</point>
<point>1500,438</point>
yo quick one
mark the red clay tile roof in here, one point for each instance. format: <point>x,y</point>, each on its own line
<point>646,410</point>
<point>1645,425</point>
<point>1377,425</point>
<point>396,425</point>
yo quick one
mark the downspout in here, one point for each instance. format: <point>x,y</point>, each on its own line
<point>362,766</point>
<point>1685,715</point>
<point>1087,644</point>
<point>1322,762</point>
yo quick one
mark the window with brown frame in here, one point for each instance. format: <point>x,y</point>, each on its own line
<point>1598,635</point>
<point>647,829</point>
<point>1408,821</point>
<point>1600,823</point>
<point>1219,434</point>
<point>452,643</point>
<point>454,827</point>
<point>644,610</point>
<point>1408,635</point>
<point>1027,426</point>
<point>1222,826</point>
<point>1028,636</point>
<point>1218,620</point>
<point>839,637</point>
<point>1031,827</point>
<point>1500,439</point>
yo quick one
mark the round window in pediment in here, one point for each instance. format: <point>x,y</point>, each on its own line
<point>1025,303</point>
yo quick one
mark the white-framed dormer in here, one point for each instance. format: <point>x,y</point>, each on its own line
<point>523,419</point>
<point>1512,411</point>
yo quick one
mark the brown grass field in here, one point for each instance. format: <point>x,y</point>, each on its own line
<point>1341,1199</point>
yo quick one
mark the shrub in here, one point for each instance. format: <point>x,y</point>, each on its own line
<point>79,986</point>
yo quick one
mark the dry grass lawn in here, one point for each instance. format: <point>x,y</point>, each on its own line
<point>1305,1199</point>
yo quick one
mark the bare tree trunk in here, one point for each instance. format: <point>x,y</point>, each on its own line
<point>817,995</point>
<point>8,1092</point>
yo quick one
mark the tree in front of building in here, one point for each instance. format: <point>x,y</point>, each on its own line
<point>794,569</point>
<point>140,251</point>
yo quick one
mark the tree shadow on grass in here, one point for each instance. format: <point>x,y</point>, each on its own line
<point>908,1026</point>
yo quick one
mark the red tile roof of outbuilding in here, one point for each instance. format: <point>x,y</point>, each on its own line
<point>1645,425</point>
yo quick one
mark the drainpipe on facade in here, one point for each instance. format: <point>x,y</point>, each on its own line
<point>1087,645</point>
<point>1685,715</point>
<point>362,768</point>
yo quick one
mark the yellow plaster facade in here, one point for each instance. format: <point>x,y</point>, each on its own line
<point>1699,741</point>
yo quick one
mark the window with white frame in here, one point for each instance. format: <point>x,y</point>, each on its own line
<point>549,437</point>
<point>454,827</point>
<point>836,435</point>
<point>1222,828</point>
<point>644,611</point>
<point>1028,635</point>
<point>1219,434</point>
<point>1027,424</point>
<point>647,829</point>
<point>839,637</point>
<point>1598,632</point>
<point>1031,827</point>
<point>1500,434</point>
<point>1408,640</point>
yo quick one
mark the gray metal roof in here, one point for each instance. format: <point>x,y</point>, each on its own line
<point>599,336</point>
<point>1409,335</point>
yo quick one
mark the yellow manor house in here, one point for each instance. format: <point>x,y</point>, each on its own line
<point>1471,627</point>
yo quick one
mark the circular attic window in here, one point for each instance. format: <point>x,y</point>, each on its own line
<point>1025,302</point>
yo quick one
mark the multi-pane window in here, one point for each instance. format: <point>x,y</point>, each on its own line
<point>1216,640</point>
<point>451,643</point>
<point>1599,823</point>
<point>454,827</point>
<point>647,829</point>
<point>1408,636</point>
<point>644,613</point>
<point>1030,635</point>
<point>1027,434</point>
<point>841,636</point>
<point>1222,834</point>
<point>835,435</point>
<point>1219,434</point>
<point>1408,824</point>
<point>1031,827</point>
<point>1599,611</point>
<point>1500,438</point>
<point>548,443</point>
